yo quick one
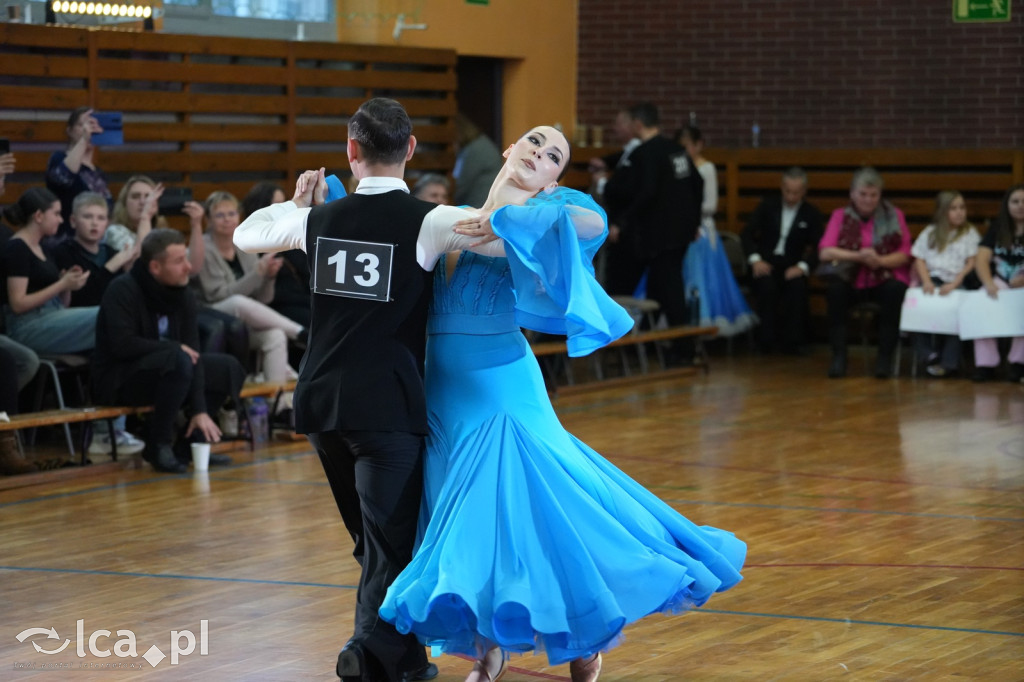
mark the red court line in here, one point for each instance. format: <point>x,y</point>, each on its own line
<point>836,477</point>
<point>855,565</point>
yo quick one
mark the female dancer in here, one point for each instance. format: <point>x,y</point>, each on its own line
<point>530,539</point>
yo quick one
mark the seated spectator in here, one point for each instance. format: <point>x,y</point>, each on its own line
<point>1000,265</point>
<point>88,251</point>
<point>242,284</point>
<point>146,340</point>
<point>35,293</point>
<point>291,288</point>
<point>18,365</point>
<point>866,247</point>
<point>432,187</point>
<point>781,243</point>
<point>135,212</point>
<point>944,255</point>
<point>73,171</point>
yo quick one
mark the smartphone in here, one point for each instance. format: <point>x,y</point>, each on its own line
<point>172,201</point>
<point>5,146</point>
<point>113,134</point>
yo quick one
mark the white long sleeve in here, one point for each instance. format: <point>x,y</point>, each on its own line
<point>278,227</point>
<point>437,237</point>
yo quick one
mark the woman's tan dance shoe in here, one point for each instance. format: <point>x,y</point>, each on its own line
<point>482,669</point>
<point>585,671</point>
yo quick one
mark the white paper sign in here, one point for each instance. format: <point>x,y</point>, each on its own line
<point>984,318</point>
<point>931,313</point>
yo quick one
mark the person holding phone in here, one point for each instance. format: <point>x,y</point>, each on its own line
<point>73,171</point>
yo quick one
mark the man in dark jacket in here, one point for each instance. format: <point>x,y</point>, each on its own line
<point>146,341</point>
<point>660,215</point>
<point>781,243</point>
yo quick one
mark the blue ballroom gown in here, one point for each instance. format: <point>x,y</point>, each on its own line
<point>530,540</point>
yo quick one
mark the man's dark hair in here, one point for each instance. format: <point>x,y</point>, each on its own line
<point>154,246</point>
<point>382,129</point>
<point>646,113</point>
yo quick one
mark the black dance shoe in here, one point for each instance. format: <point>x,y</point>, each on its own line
<point>427,672</point>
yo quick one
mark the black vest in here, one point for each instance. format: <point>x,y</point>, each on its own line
<point>363,367</point>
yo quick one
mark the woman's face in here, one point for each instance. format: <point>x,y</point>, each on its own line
<point>135,199</point>
<point>224,218</point>
<point>435,193</point>
<point>537,158</point>
<point>1016,205</point>
<point>865,199</point>
<point>50,219</point>
<point>957,215</point>
<point>278,197</point>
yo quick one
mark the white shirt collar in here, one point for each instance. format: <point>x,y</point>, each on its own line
<point>379,185</point>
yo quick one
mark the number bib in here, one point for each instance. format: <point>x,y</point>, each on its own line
<point>353,269</point>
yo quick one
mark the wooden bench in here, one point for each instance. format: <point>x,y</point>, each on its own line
<point>637,338</point>
<point>77,415</point>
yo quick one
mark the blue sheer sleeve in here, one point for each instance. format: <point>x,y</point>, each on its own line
<point>550,244</point>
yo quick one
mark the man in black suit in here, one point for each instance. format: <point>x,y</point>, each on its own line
<point>360,396</point>
<point>781,242</point>
<point>612,186</point>
<point>660,215</point>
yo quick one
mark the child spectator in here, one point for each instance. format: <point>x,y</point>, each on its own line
<point>944,255</point>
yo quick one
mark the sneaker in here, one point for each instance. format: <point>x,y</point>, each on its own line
<point>127,444</point>
<point>228,422</point>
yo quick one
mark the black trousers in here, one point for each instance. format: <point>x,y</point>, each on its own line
<point>782,307</point>
<point>223,333</point>
<point>377,481</point>
<point>888,295</point>
<point>164,382</point>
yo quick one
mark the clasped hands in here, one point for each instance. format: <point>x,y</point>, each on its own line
<point>763,268</point>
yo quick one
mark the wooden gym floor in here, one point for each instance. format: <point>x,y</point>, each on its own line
<point>885,523</point>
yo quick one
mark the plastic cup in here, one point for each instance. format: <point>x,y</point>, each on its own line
<point>201,456</point>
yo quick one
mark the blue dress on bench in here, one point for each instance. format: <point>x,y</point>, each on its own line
<point>530,540</point>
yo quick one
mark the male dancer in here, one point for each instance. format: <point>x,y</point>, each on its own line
<point>360,391</point>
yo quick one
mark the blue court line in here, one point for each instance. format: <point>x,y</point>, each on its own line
<point>175,576</point>
<point>290,583</point>
<point>847,621</point>
<point>840,510</point>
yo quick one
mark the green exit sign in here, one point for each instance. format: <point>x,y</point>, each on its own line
<point>478,2</point>
<point>981,10</point>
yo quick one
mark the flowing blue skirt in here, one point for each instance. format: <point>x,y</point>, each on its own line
<point>706,268</point>
<point>530,540</point>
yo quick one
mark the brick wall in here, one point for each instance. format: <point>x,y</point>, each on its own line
<point>841,73</point>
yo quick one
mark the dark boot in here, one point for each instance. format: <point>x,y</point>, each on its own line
<point>837,339</point>
<point>12,462</point>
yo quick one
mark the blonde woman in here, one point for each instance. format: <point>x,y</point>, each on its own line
<point>944,255</point>
<point>242,284</point>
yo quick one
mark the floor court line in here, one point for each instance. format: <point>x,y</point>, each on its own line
<point>949,567</point>
<point>840,510</point>
<point>288,583</point>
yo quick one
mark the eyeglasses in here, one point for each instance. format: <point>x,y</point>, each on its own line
<point>223,216</point>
